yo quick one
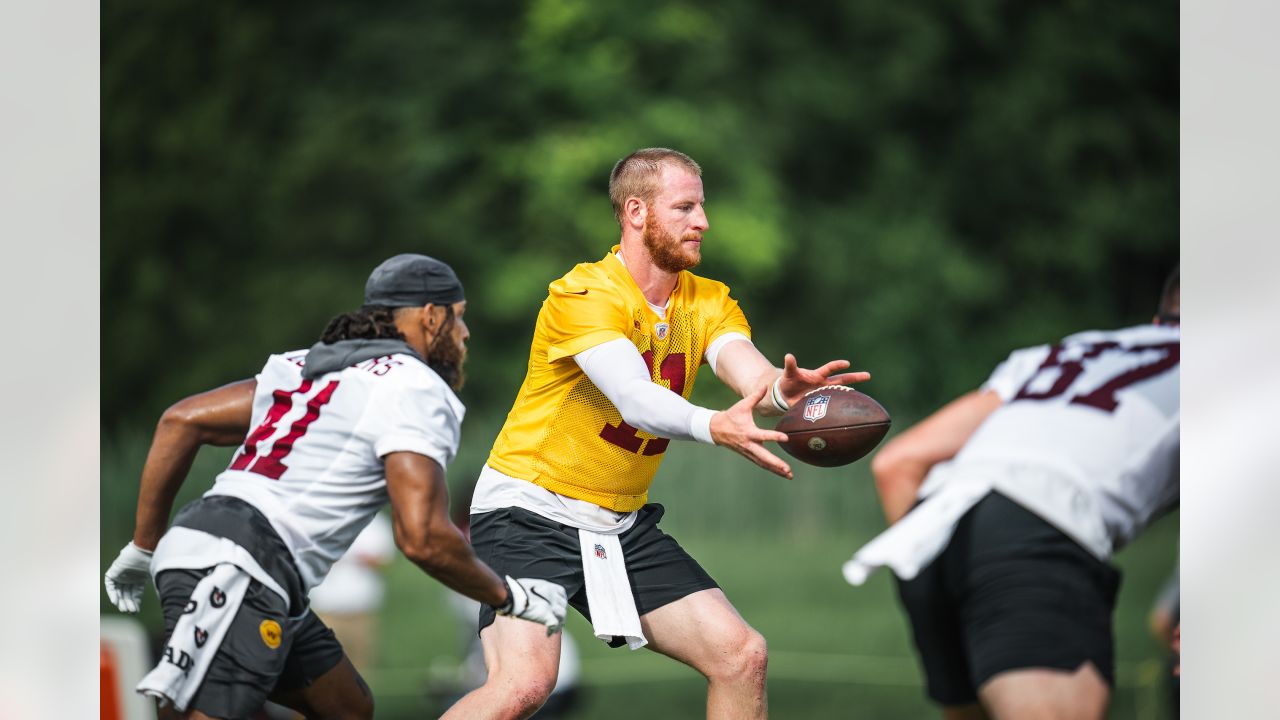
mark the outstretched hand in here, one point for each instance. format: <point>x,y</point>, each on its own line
<point>736,429</point>
<point>796,381</point>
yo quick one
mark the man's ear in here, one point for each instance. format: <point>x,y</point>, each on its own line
<point>429,322</point>
<point>634,212</point>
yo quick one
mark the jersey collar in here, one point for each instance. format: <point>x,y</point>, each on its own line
<point>613,263</point>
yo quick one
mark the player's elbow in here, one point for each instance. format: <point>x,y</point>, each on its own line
<point>893,468</point>
<point>181,417</point>
<point>417,548</point>
<point>423,549</point>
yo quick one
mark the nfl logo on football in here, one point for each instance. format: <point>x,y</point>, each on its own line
<point>815,408</point>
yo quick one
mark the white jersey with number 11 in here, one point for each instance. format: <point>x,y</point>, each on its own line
<point>312,461</point>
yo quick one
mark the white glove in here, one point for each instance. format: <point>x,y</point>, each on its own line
<point>540,601</point>
<point>127,576</point>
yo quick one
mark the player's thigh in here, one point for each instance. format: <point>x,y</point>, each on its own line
<point>1033,599</point>
<point>520,653</point>
<point>661,571</point>
<point>318,679</point>
<point>337,694</point>
<point>522,544</point>
<point>704,631</point>
<point>1044,694</point>
<point>938,635</point>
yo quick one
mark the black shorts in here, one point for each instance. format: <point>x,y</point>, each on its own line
<point>519,543</point>
<point>1009,592</point>
<point>247,669</point>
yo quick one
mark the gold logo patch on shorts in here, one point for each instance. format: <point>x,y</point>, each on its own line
<point>270,630</point>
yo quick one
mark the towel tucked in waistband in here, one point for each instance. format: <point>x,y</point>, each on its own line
<point>197,636</point>
<point>613,608</point>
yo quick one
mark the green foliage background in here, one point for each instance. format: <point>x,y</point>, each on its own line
<point>917,187</point>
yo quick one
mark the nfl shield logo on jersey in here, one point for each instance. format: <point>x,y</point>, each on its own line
<point>815,408</point>
<point>600,551</point>
<point>661,330</point>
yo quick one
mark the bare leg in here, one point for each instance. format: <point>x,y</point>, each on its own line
<point>522,662</point>
<point>339,694</point>
<point>705,632</point>
<point>1042,694</point>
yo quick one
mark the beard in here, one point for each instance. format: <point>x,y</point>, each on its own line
<point>447,357</point>
<point>666,250</point>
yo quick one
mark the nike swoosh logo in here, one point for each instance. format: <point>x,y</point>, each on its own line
<point>584,292</point>
<point>533,591</point>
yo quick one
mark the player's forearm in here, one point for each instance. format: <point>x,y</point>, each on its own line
<point>446,556</point>
<point>618,371</point>
<point>897,500</point>
<point>898,483</point>
<point>773,403</point>
<point>745,370</point>
<point>216,417</point>
<point>657,410</point>
<point>173,449</point>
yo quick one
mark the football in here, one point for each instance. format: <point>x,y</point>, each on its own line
<point>833,426</point>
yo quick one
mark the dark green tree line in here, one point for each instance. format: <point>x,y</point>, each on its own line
<point>918,187</point>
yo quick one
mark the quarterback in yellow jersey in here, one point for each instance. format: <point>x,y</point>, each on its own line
<point>563,433</point>
<point>564,494</point>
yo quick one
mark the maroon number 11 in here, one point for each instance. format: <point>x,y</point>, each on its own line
<point>272,464</point>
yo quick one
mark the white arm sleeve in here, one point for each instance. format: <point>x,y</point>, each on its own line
<point>618,370</point>
<point>713,350</point>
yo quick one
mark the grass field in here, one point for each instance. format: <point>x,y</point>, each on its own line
<point>835,651</point>
<point>776,549</point>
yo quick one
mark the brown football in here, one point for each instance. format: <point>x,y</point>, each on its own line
<point>833,426</point>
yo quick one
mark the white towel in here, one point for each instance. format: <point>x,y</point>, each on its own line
<point>613,609</point>
<point>920,536</point>
<point>197,636</point>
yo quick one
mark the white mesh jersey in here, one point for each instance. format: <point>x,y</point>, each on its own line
<point>312,462</point>
<point>1099,410</point>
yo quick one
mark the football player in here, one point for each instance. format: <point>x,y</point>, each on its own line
<point>564,494</point>
<point>327,436</point>
<point>1006,506</point>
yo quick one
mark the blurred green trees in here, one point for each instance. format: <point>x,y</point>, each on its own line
<point>919,187</point>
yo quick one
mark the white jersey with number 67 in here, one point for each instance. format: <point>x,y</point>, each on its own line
<point>312,461</point>
<point>1098,410</point>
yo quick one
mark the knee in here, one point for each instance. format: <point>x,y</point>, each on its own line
<point>523,696</point>
<point>745,660</point>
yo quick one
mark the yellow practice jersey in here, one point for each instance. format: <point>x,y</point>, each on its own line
<point>562,433</point>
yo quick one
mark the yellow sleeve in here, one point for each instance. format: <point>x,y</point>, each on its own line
<point>728,317</point>
<point>578,315</point>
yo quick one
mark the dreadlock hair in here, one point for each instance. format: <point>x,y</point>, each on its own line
<point>370,322</point>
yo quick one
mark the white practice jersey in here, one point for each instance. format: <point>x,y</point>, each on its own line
<point>1099,411</point>
<point>312,462</point>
